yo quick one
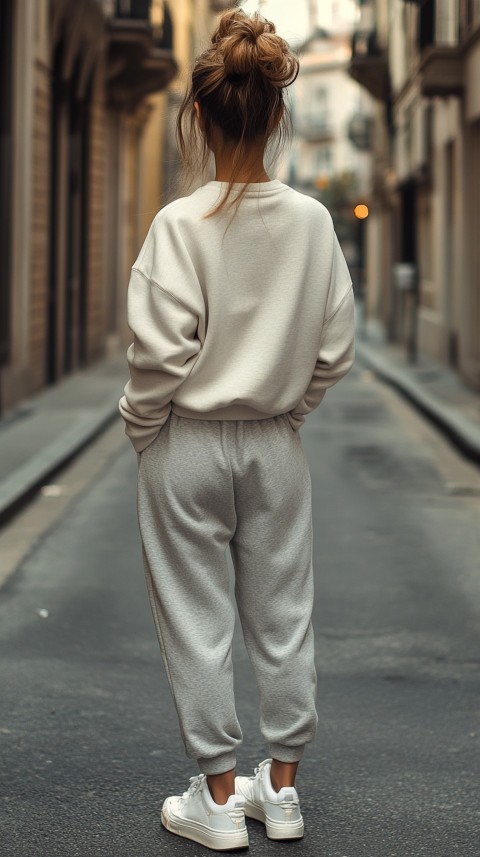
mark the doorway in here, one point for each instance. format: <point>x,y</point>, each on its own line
<point>68,248</point>
<point>452,333</point>
<point>6,148</point>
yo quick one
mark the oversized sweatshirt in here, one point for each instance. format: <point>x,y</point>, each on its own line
<point>247,323</point>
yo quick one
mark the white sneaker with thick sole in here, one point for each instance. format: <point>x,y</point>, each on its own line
<point>195,815</point>
<point>278,811</point>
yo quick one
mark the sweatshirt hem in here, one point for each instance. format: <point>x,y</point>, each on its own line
<point>230,412</point>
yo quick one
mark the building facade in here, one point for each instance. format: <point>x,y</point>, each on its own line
<point>421,62</point>
<point>330,157</point>
<point>85,132</point>
<point>325,103</point>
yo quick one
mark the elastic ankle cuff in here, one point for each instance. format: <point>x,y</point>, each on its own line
<point>286,754</point>
<point>218,765</point>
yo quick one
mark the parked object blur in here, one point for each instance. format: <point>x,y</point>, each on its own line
<point>405,280</point>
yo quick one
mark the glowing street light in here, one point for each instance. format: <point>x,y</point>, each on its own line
<point>361,211</point>
<point>322,182</point>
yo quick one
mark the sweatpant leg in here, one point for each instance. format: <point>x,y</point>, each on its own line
<point>187,517</point>
<point>272,556</point>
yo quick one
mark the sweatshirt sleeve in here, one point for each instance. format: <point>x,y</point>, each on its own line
<point>163,352</point>
<point>337,348</point>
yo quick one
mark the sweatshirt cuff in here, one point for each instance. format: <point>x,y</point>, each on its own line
<point>295,420</point>
<point>142,440</point>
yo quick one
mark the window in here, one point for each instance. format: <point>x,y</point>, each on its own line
<point>447,22</point>
<point>323,161</point>
<point>319,106</point>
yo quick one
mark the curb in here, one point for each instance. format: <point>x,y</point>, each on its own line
<point>27,479</point>
<point>461,431</point>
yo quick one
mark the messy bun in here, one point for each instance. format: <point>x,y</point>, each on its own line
<point>251,46</point>
<point>238,82</point>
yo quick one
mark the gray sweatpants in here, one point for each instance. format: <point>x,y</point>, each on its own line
<point>204,485</point>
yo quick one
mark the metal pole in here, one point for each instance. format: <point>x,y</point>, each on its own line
<point>413,337</point>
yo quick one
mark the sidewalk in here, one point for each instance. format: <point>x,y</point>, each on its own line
<point>42,434</point>
<point>437,391</point>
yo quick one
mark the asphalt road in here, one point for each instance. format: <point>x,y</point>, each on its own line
<point>89,739</point>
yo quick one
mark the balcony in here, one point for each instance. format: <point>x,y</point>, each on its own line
<point>441,71</point>
<point>140,53</point>
<point>369,64</point>
<point>314,129</point>
<point>441,66</point>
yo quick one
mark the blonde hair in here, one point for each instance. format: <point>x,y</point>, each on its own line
<point>238,83</point>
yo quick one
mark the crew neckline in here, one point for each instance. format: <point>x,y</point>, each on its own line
<point>253,188</point>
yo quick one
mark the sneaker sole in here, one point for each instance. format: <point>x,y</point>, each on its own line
<point>275,829</point>
<point>221,841</point>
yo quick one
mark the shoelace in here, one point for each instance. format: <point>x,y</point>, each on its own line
<point>257,771</point>
<point>195,785</point>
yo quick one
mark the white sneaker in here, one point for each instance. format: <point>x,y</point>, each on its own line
<point>195,815</point>
<point>279,811</point>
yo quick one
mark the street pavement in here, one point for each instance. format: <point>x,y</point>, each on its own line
<point>89,737</point>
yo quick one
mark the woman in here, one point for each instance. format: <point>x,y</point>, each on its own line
<point>240,325</point>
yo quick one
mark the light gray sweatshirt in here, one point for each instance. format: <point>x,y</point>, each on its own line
<point>249,324</point>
